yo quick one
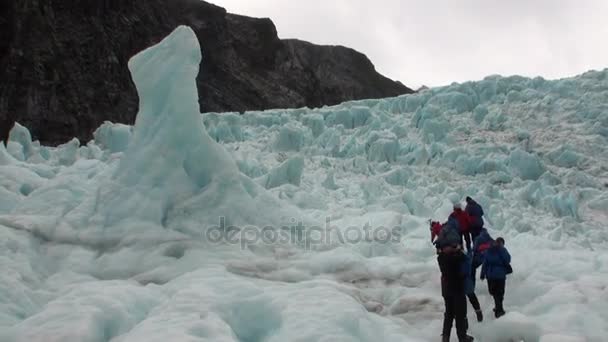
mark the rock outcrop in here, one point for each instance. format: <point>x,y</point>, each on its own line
<point>63,64</point>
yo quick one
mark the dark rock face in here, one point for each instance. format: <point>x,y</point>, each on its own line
<point>63,64</point>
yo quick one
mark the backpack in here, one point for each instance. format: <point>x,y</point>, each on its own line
<point>448,236</point>
<point>508,268</point>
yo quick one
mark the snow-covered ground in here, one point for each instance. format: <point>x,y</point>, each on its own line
<point>305,225</point>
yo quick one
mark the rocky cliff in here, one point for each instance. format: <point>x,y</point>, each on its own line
<point>63,64</point>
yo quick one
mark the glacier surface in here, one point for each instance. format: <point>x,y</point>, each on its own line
<point>305,224</point>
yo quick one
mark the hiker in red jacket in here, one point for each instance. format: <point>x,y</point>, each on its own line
<point>464,223</point>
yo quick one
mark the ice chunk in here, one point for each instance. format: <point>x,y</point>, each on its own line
<point>88,313</point>
<point>315,122</point>
<point>113,137</point>
<point>172,176</point>
<point>528,166</point>
<point>495,120</point>
<point>22,136</point>
<point>424,114</point>
<point>19,180</point>
<point>514,96</point>
<point>92,151</point>
<point>415,205</point>
<point>564,156</point>
<point>291,138</point>
<point>457,101</point>
<point>289,172</point>
<point>170,154</point>
<point>361,116</point>
<point>329,141</point>
<point>330,182</point>
<point>224,127</point>
<point>67,154</point>
<point>565,205</point>
<point>412,103</point>
<point>473,165</point>
<point>480,113</point>
<point>399,177</point>
<point>600,203</point>
<point>435,130</point>
<point>15,150</point>
<point>349,117</point>
<point>5,157</point>
<point>382,148</point>
<point>266,118</point>
<point>251,168</point>
<point>254,319</point>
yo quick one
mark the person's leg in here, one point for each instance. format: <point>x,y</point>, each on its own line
<point>497,290</point>
<point>473,230</point>
<point>490,287</point>
<point>500,295</point>
<point>492,291</point>
<point>467,239</point>
<point>475,233</point>
<point>476,306</point>
<point>448,317</point>
<point>473,278</point>
<point>460,310</point>
<point>474,301</point>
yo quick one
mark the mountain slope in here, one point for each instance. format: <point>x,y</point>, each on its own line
<point>63,66</point>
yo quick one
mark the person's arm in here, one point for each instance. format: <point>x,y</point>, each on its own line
<point>476,243</point>
<point>467,239</point>
<point>483,269</point>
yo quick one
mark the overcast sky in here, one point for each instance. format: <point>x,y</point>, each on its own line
<point>436,42</point>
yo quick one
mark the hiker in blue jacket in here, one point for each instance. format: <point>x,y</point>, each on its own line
<point>496,266</point>
<point>475,212</point>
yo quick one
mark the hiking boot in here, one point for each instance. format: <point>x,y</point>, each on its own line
<point>466,339</point>
<point>479,315</point>
<point>499,313</point>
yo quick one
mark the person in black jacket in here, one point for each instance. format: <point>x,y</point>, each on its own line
<point>455,268</point>
<point>475,212</point>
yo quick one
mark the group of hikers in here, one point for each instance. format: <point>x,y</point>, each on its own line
<point>465,229</point>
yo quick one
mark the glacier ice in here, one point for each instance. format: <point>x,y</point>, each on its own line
<point>290,172</point>
<point>291,138</point>
<point>113,137</point>
<point>112,241</point>
<point>5,157</point>
<point>22,136</point>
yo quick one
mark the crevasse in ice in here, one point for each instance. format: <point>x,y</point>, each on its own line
<point>145,233</point>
